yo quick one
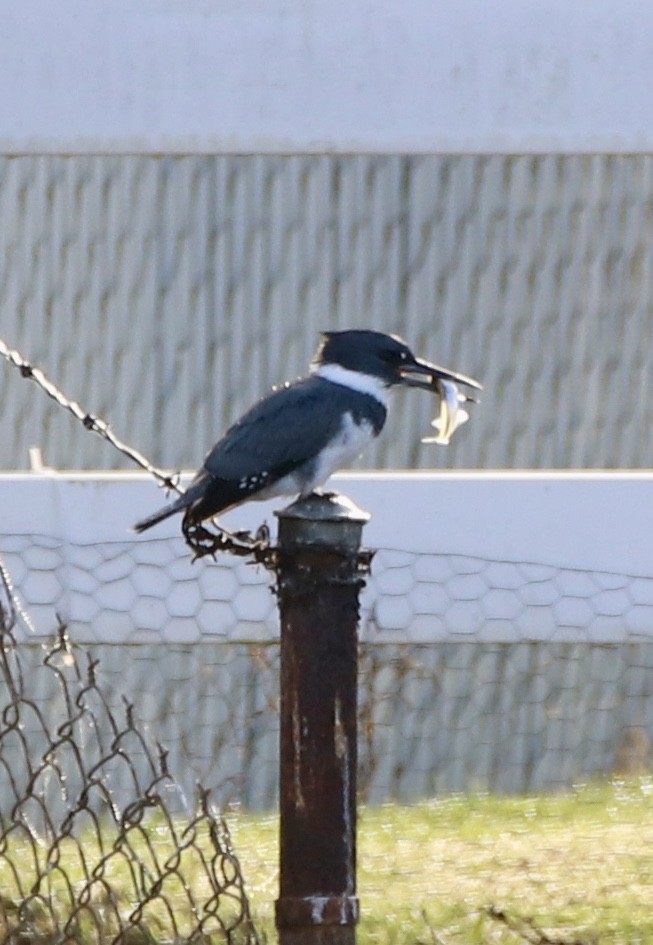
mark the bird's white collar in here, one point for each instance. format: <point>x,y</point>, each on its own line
<point>354,380</point>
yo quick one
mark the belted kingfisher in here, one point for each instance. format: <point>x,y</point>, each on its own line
<point>291,441</point>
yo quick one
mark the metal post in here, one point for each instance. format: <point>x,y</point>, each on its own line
<point>319,579</point>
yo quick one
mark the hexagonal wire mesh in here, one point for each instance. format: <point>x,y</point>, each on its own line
<point>475,673</point>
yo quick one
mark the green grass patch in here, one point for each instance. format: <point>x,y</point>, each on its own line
<point>576,867</point>
<point>573,868</point>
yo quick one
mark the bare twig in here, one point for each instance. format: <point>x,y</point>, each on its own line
<point>529,931</point>
<point>435,938</point>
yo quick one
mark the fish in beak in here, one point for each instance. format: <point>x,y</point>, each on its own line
<point>445,384</point>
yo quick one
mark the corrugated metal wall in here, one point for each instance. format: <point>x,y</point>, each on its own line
<point>168,294</point>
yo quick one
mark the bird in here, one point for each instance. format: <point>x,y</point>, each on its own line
<point>293,439</point>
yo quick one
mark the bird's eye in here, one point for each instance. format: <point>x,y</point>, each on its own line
<point>394,357</point>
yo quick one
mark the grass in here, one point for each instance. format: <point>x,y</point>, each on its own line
<point>573,868</point>
<point>486,870</point>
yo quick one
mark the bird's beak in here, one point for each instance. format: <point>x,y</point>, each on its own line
<point>413,374</point>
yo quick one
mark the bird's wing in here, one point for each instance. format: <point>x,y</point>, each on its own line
<point>285,429</point>
<point>280,433</point>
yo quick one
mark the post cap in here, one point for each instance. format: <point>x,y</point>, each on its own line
<point>327,520</point>
<point>324,507</point>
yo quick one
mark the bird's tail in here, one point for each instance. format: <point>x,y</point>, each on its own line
<point>162,514</point>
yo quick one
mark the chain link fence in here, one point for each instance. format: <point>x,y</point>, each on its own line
<point>80,859</point>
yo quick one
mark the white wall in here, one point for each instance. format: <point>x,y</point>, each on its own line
<point>461,557</point>
<point>193,76</point>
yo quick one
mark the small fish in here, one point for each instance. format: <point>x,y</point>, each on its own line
<point>452,415</point>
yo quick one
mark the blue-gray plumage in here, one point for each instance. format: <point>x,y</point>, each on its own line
<point>291,441</point>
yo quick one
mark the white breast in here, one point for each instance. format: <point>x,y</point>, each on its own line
<point>340,453</point>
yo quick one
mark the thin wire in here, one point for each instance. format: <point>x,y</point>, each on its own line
<point>11,603</point>
<point>201,541</point>
<point>87,419</point>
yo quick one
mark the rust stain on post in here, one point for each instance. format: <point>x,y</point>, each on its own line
<point>320,570</point>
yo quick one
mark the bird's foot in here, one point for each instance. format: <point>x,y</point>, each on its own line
<point>204,541</point>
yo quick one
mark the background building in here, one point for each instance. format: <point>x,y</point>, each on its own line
<point>166,295</point>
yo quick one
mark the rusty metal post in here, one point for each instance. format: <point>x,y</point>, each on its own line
<point>320,569</point>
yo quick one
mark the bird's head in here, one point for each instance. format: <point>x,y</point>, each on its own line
<point>385,357</point>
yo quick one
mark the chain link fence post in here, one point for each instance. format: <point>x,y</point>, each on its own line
<point>320,574</point>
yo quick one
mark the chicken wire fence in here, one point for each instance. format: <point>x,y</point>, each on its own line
<point>474,673</point>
